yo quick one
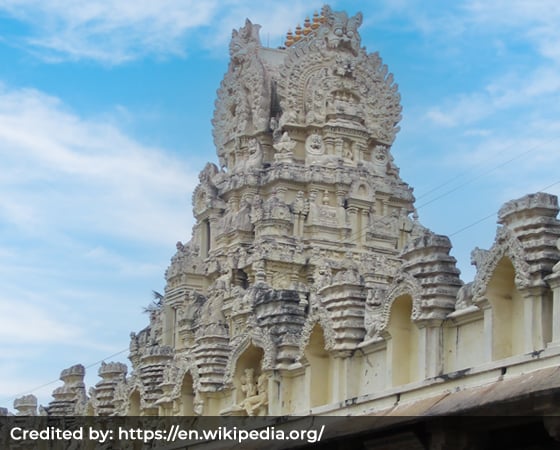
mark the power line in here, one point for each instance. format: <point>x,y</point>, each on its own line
<point>474,178</point>
<point>48,383</point>
<point>494,213</point>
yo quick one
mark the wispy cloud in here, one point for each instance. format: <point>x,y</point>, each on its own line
<point>24,323</point>
<point>65,173</point>
<point>108,31</point>
<point>536,20</point>
<point>115,32</point>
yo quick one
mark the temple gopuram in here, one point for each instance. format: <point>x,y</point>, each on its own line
<point>310,288</point>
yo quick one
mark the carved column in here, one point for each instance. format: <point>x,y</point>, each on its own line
<point>72,395</point>
<point>211,355</point>
<point>26,405</point>
<point>554,283</point>
<point>532,220</point>
<point>345,300</point>
<point>427,259</point>
<point>537,311</point>
<point>430,357</point>
<point>112,374</point>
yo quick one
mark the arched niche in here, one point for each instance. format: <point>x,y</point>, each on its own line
<point>319,369</point>
<point>134,404</point>
<point>403,342</point>
<point>250,360</point>
<point>507,311</point>
<point>187,395</point>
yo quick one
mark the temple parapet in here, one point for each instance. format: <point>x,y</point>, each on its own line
<point>309,284</point>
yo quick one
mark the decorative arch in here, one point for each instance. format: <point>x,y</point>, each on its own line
<point>404,285</point>
<point>403,340</point>
<point>503,273</point>
<point>318,317</point>
<point>361,189</point>
<point>319,369</point>
<point>135,400</point>
<point>506,246</point>
<point>313,74</point>
<point>182,369</point>
<point>257,339</point>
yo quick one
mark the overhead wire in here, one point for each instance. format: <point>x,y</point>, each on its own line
<point>470,180</point>
<point>357,234</point>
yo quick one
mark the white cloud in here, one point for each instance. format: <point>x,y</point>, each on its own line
<point>115,32</point>
<point>109,31</point>
<point>508,91</point>
<point>70,174</point>
<point>25,324</point>
<point>536,20</point>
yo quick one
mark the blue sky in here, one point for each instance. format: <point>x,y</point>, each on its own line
<point>105,112</point>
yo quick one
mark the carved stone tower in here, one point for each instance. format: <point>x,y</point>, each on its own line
<point>298,232</point>
<point>308,286</point>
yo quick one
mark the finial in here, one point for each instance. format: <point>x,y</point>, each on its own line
<point>316,21</point>
<point>299,33</point>
<point>289,38</point>
<point>307,26</point>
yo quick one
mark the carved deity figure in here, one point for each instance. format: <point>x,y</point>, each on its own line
<point>373,318</point>
<point>285,144</point>
<point>341,30</point>
<point>243,104</point>
<point>255,154</point>
<point>256,394</point>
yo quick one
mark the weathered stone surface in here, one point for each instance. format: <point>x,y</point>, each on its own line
<point>308,282</point>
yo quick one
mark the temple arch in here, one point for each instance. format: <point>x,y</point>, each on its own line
<point>187,395</point>
<point>318,371</point>
<point>250,360</point>
<point>507,308</point>
<point>134,403</point>
<point>402,346</point>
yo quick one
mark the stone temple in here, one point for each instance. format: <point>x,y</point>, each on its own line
<point>309,287</point>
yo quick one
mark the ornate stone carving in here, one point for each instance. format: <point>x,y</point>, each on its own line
<point>506,245</point>
<point>243,104</point>
<point>305,224</point>
<point>255,393</point>
<point>332,78</point>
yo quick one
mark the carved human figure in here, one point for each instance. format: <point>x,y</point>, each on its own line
<point>242,220</point>
<point>257,210</point>
<point>256,394</point>
<point>478,256</point>
<point>323,275</point>
<point>285,145</point>
<point>300,208</point>
<point>342,31</point>
<point>464,296</point>
<point>254,159</point>
<point>373,318</point>
<point>314,144</point>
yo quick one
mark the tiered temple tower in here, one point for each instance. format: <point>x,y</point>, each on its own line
<point>308,285</point>
<point>299,233</point>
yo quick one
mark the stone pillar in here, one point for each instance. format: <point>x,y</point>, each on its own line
<point>345,299</point>
<point>152,364</point>
<point>488,349</point>
<point>554,283</point>
<point>112,374</point>
<point>169,320</point>
<point>69,398</point>
<point>211,355</point>
<point>26,405</point>
<point>427,259</point>
<point>537,311</point>
<point>430,349</point>
<point>340,388</point>
<point>532,220</point>
<point>281,314</point>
